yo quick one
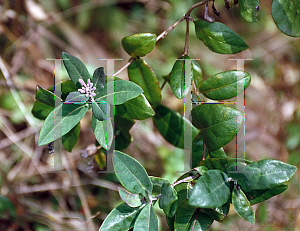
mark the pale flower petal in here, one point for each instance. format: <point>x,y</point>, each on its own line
<point>82,82</point>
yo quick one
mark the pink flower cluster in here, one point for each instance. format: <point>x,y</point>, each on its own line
<point>87,89</point>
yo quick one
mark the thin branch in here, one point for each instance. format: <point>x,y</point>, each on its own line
<point>163,85</point>
<point>183,180</point>
<point>187,33</point>
<point>124,67</point>
<point>204,151</point>
<point>163,34</point>
<point>188,13</point>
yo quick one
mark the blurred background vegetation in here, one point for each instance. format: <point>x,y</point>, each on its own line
<point>35,196</point>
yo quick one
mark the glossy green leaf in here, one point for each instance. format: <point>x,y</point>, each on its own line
<point>99,79</point>
<point>171,124</point>
<point>101,110</point>
<point>76,97</point>
<point>225,85</point>
<point>168,195</point>
<point>45,96</point>
<point>146,220</point>
<point>121,90</point>
<point>70,114</point>
<point>224,209</point>
<point>137,108</point>
<point>178,83</point>
<point>41,110</point>
<point>189,218</point>
<point>211,190</point>
<point>286,16</point>
<point>258,196</point>
<point>273,173</point>
<point>219,124</point>
<point>197,74</point>
<point>120,218</point>
<point>249,10</point>
<point>219,38</point>
<point>123,137</point>
<point>141,73</point>
<point>75,68</point>
<point>246,176</point>
<point>132,200</point>
<point>138,45</point>
<point>103,132</point>
<point>131,174</point>
<point>70,139</point>
<point>242,206</point>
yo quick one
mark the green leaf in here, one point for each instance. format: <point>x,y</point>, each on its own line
<point>171,125</point>
<point>123,137</point>
<point>225,85</point>
<point>137,108</point>
<point>178,83</point>
<point>76,97</point>
<point>139,45</point>
<point>141,73</point>
<point>197,151</point>
<point>131,174</point>
<point>211,190</point>
<point>189,218</point>
<point>246,176</point>
<point>249,10</point>
<point>103,132</point>
<point>101,110</point>
<point>121,90</point>
<point>6,208</point>
<point>219,124</point>
<point>182,194</point>
<point>132,200</point>
<point>168,195</point>
<point>99,79</point>
<point>242,206</point>
<point>41,110</point>
<point>258,196</point>
<point>221,163</point>
<point>66,86</point>
<point>273,173</point>
<point>45,96</point>
<point>286,16</point>
<point>70,114</point>
<point>120,218</point>
<point>157,181</point>
<point>197,74</point>
<point>146,220</point>
<point>219,38</point>
<point>75,68</point>
<point>70,139</point>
